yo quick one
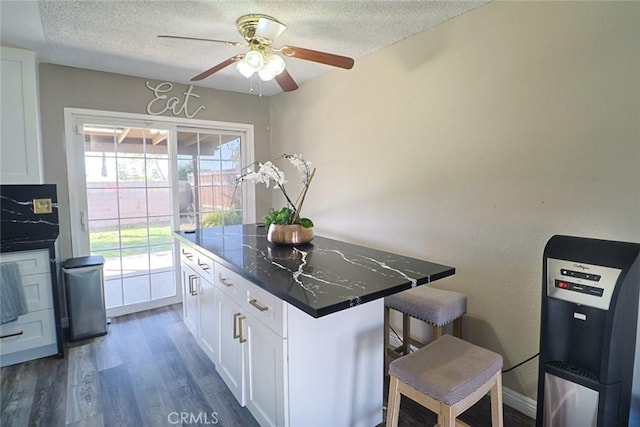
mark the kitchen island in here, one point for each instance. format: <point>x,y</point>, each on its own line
<point>295,332</point>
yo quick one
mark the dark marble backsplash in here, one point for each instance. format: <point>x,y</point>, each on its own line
<point>18,221</point>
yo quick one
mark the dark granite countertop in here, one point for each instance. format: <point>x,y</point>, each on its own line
<point>320,278</point>
<point>28,243</point>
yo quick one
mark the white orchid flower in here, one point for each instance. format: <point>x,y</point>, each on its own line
<point>270,172</point>
<point>303,166</point>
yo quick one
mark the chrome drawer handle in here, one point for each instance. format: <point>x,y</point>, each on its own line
<point>254,302</point>
<point>226,282</point>
<point>11,335</point>
<point>203,266</point>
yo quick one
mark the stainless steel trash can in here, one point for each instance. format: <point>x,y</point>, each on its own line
<point>83,279</point>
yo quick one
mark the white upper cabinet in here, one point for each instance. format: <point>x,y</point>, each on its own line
<point>20,147</point>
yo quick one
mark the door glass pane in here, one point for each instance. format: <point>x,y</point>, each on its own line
<point>130,211</point>
<point>208,165</point>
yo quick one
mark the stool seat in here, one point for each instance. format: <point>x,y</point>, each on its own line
<point>447,376</point>
<point>448,370</point>
<point>434,306</point>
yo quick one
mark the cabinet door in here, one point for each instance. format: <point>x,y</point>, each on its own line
<point>190,309</point>
<point>231,351</point>
<point>265,374</point>
<point>20,150</point>
<point>208,320</point>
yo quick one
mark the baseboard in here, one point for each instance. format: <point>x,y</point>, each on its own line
<point>512,399</point>
<point>519,402</point>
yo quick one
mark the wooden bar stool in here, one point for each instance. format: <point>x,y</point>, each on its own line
<point>447,376</point>
<point>436,307</point>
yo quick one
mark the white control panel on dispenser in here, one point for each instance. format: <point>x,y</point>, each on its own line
<point>580,283</point>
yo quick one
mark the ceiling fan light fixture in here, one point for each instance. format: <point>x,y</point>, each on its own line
<point>244,69</point>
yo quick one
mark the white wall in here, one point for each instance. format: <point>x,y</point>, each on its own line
<point>473,143</point>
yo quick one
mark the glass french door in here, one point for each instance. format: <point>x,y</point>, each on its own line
<point>129,211</point>
<point>133,181</point>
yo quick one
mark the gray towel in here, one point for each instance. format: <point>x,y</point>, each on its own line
<point>12,300</point>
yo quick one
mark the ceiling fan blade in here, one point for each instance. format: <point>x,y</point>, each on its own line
<point>203,40</point>
<point>269,29</point>
<point>317,56</point>
<point>286,82</point>
<point>217,68</point>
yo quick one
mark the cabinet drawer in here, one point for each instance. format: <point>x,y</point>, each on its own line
<point>34,329</point>
<point>253,300</point>
<point>231,283</point>
<point>201,263</point>
<point>37,291</point>
<point>267,308</point>
<point>188,255</point>
<point>204,266</point>
<point>30,262</point>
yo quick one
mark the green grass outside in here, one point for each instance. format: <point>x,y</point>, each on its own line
<point>134,241</point>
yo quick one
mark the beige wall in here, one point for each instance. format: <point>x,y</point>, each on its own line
<point>473,143</point>
<point>62,87</point>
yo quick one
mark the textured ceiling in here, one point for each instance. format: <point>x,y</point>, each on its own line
<point>120,36</point>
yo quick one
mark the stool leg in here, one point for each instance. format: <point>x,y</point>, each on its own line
<point>393,404</point>
<point>436,332</point>
<point>496,402</point>
<point>386,341</point>
<point>406,333</point>
<point>446,417</point>
<point>457,327</point>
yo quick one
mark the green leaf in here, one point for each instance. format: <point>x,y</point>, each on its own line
<point>306,222</point>
<point>283,216</point>
<point>270,217</point>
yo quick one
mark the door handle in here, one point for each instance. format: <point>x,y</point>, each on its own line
<point>192,286</point>
<point>240,319</point>
<point>83,220</point>
<point>235,325</point>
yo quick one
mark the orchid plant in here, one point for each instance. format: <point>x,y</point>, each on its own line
<point>268,174</point>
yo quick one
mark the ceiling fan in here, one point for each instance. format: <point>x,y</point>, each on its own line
<point>259,32</point>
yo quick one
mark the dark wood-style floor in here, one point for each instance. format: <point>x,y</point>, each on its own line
<point>147,371</point>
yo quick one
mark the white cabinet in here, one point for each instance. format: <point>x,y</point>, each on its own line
<point>242,329</point>
<point>265,390</point>
<point>252,346</point>
<point>32,335</point>
<point>230,361</point>
<point>190,302</point>
<point>20,147</point>
<point>208,319</point>
<point>198,298</point>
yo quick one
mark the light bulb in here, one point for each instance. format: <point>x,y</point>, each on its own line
<point>244,69</point>
<point>254,60</point>
<point>274,63</point>
<point>266,74</point>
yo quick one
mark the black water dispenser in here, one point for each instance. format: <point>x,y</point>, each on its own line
<point>588,371</point>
